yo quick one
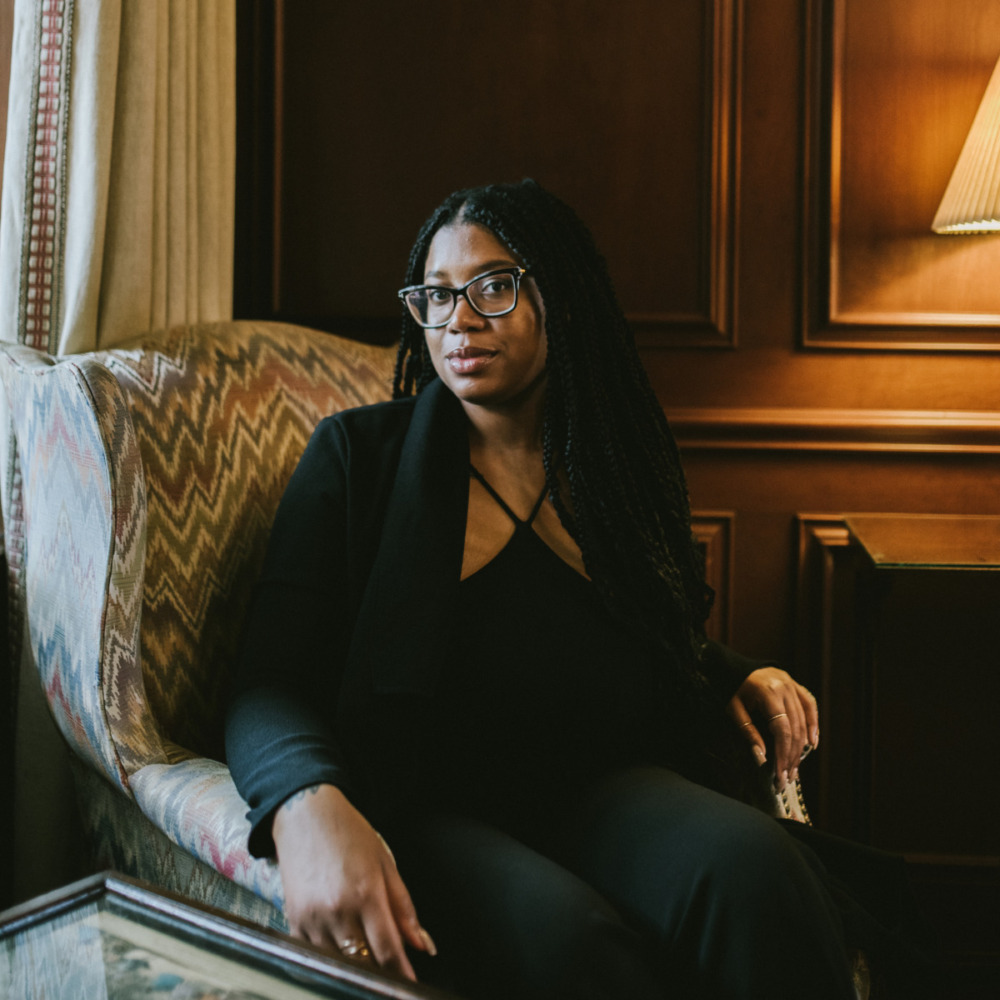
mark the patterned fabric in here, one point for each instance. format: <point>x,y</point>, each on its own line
<point>195,803</point>
<point>40,282</point>
<point>790,804</point>
<point>150,476</point>
<point>221,414</point>
<point>123,839</point>
<point>104,232</point>
<point>84,539</point>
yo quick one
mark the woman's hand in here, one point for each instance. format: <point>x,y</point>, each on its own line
<point>342,889</point>
<point>789,711</point>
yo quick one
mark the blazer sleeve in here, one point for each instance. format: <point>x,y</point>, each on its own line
<point>279,736</point>
<point>726,669</point>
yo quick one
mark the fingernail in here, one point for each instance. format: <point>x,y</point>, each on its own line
<point>429,944</point>
<point>759,754</point>
<point>815,737</point>
<point>795,774</point>
<point>784,777</point>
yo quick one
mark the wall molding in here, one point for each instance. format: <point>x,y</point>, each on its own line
<point>837,430</point>
<point>714,532</point>
<point>716,325</point>
<point>825,644</point>
<point>707,322</point>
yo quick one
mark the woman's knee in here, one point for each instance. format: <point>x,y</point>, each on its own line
<point>650,841</point>
<point>509,921</point>
<point>749,850</point>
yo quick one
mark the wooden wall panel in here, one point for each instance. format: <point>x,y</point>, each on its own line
<point>894,85</point>
<point>629,110</point>
<point>714,531</point>
<point>908,662</point>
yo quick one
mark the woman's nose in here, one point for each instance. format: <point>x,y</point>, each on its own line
<point>464,317</point>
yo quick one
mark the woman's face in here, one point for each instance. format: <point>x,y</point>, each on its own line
<point>496,361</point>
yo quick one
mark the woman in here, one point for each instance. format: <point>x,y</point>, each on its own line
<point>479,630</point>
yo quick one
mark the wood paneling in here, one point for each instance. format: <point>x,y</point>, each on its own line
<point>713,531</point>
<point>908,660</point>
<point>770,168</point>
<point>629,110</point>
<point>893,87</point>
<point>819,429</point>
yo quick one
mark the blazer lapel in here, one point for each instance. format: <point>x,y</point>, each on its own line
<point>415,576</point>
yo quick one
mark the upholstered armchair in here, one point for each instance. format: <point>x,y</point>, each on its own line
<point>144,482</point>
<point>145,479</point>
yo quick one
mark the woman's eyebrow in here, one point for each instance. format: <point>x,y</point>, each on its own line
<point>487,265</point>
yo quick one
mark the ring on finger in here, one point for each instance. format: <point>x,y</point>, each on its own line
<point>780,715</point>
<point>355,948</point>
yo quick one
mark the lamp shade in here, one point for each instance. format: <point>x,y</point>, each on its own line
<point>971,202</point>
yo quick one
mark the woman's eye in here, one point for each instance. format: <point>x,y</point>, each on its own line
<point>499,285</point>
<point>438,296</point>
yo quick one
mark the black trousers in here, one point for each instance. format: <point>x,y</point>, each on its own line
<point>649,886</point>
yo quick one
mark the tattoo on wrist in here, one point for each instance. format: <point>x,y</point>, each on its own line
<point>300,795</point>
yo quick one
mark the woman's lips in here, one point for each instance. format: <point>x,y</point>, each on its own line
<point>469,360</point>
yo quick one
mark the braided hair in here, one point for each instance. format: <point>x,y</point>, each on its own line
<point>604,434</point>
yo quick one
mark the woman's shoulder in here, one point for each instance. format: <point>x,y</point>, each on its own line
<point>374,422</point>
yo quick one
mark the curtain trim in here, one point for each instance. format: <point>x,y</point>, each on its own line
<point>43,239</point>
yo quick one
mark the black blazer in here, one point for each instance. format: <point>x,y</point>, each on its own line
<point>339,648</point>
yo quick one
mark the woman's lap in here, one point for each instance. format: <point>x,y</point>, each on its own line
<point>649,886</point>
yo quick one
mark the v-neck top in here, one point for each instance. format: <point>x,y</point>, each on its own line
<point>540,689</point>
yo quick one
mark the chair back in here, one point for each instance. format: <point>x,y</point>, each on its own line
<point>149,475</point>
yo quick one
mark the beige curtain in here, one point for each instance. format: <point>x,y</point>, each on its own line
<point>119,174</point>
<point>116,218</point>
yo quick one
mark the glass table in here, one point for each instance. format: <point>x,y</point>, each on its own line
<point>110,937</point>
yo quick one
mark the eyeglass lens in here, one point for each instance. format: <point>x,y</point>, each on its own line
<point>490,295</point>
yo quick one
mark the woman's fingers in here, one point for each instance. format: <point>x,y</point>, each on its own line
<point>811,707</point>
<point>384,939</point>
<point>742,719</point>
<point>404,913</point>
<point>785,709</point>
<point>781,730</point>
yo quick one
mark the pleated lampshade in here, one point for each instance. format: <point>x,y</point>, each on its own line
<point>971,202</point>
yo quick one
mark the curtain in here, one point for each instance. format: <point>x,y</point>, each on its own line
<point>116,218</point>
<point>119,174</point>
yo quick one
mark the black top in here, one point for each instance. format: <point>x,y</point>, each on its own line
<point>541,690</point>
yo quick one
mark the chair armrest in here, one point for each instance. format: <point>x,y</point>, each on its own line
<point>197,806</point>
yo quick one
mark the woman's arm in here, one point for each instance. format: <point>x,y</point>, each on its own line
<point>279,736</point>
<point>341,886</point>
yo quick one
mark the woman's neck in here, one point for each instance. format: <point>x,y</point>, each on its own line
<point>513,428</point>
<point>507,450</point>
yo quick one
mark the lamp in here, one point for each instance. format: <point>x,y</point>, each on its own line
<point>971,202</point>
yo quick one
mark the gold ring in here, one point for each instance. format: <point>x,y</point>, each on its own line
<point>355,948</point>
<point>745,724</point>
<point>780,715</point>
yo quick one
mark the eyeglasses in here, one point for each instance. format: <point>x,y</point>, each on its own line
<point>491,294</point>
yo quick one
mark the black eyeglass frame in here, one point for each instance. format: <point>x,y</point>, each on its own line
<point>514,270</point>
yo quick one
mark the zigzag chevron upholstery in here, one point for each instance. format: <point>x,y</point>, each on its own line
<point>220,419</point>
<point>149,477</point>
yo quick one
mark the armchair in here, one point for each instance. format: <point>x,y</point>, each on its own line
<point>137,507</point>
